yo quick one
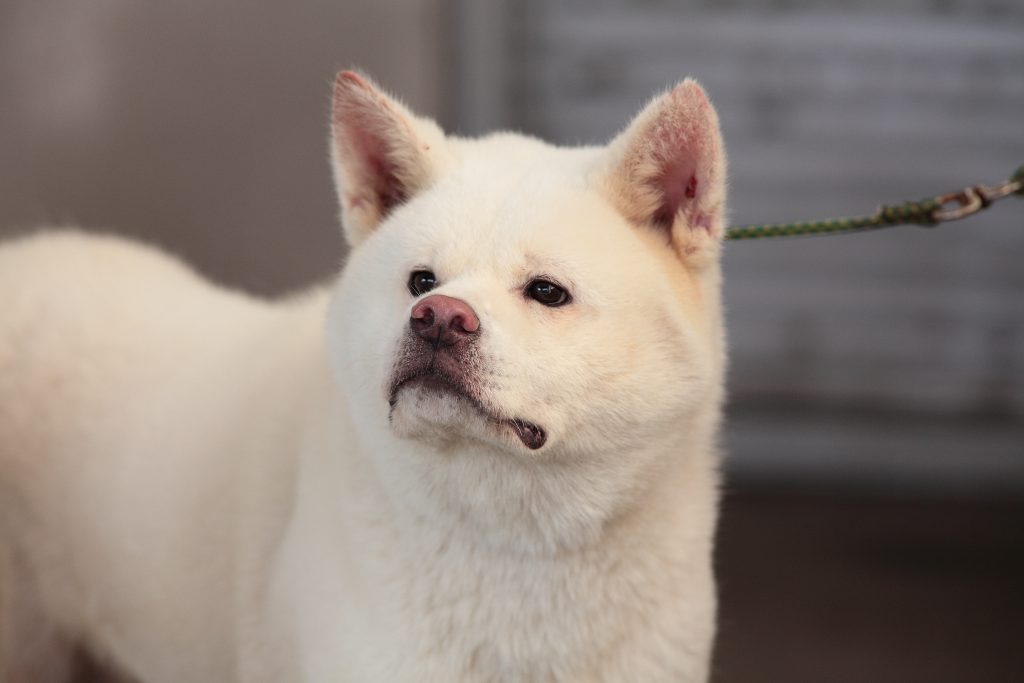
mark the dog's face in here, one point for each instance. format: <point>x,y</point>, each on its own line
<point>506,293</point>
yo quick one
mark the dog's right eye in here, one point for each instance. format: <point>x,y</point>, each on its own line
<point>421,282</point>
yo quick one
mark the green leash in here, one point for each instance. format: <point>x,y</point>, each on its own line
<point>929,212</point>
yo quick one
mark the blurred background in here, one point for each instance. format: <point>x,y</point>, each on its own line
<point>873,525</point>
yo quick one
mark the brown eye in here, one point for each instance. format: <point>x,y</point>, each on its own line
<point>547,293</point>
<point>421,282</point>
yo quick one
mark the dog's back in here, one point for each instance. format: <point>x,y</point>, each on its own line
<point>101,341</point>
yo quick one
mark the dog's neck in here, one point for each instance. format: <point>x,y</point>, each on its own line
<point>534,506</point>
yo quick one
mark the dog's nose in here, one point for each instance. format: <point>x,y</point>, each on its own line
<point>444,319</point>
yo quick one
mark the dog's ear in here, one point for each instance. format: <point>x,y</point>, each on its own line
<point>667,170</point>
<point>382,154</point>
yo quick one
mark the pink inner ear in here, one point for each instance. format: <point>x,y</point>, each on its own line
<point>378,171</point>
<point>691,187</point>
<point>360,117</point>
<point>679,153</point>
<point>381,174</point>
<point>677,184</point>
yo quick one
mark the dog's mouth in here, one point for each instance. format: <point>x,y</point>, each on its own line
<point>436,381</point>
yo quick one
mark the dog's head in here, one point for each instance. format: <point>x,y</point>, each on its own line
<point>508,295</point>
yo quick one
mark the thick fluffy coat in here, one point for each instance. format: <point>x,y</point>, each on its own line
<point>199,486</point>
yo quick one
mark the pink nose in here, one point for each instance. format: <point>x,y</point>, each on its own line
<point>444,320</point>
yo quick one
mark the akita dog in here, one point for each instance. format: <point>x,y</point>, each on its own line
<point>487,452</point>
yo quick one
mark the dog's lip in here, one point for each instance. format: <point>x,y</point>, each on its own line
<point>531,434</point>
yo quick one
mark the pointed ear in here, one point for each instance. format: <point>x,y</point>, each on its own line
<point>667,170</point>
<point>382,154</point>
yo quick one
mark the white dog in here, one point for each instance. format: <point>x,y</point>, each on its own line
<point>487,453</point>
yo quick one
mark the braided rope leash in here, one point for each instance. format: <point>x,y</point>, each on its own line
<point>951,206</point>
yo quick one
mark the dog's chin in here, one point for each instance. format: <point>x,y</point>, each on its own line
<point>430,410</point>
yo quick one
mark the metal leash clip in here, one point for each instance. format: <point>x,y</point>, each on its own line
<point>966,202</point>
<point>971,200</point>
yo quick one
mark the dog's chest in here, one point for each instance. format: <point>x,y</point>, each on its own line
<point>468,615</point>
<point>431,598</point>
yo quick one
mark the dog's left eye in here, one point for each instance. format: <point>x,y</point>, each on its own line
<point>547,293</point>
<point>421,282</point>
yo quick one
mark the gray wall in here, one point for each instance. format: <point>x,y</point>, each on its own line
<point>201,126</point>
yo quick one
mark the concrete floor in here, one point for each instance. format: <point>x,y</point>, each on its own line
<point>849,589</point>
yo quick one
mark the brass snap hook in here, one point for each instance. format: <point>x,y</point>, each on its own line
<point>966,202</point>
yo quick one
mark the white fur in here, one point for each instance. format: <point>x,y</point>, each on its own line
<point>199,486</point>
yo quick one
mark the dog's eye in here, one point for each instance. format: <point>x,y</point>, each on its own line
<point>547,293</point>
<point>421,282</point>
